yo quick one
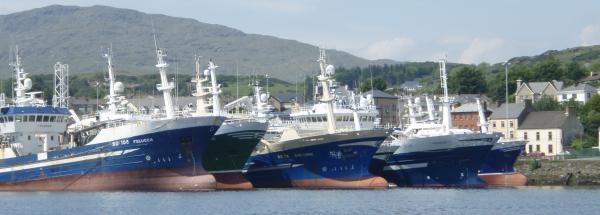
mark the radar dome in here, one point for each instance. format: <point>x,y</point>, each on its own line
<point>119,88</point>
<point>27,83</point>
<point>330,70</point>
<point>369,97</point>
<point>263,97</point>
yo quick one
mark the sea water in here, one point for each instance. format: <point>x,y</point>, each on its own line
<point>524,200</point>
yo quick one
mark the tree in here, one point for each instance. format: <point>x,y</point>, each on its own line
<point>308,87</point>
<point>546,103</point>
<point>547,70</point>
<point>574,71</point>
<point>378,84</point>
<point>467,80</point>
<point>583,142</point>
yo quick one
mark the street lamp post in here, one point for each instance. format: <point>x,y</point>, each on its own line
<point>506,97</point>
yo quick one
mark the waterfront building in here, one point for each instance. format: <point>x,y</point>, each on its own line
<point>387,106</point>
<point>550,131</point>
<point>466,116</point>
<point>285,101</point>
<point>507,118</point>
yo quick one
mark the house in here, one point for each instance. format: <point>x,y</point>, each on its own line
<point>535,90</point>
<point>411,86</point>
<point>467,116</point>
<point>507,118</point>
<point>550,131</point>
<point>579,93</point>
<point>285,101</point>
<point>387,105</point>
<point>459,99</point>
<point>83,105</point>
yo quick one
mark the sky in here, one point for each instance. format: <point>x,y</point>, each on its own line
<point>465,31</point>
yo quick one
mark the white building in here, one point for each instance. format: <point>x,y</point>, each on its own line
<point>550,131</point>
<point>580,93</point>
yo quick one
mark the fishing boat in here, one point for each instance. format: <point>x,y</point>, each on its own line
<point>118,149</point>
<point>317,158</point>
<point>431,154</point>
<point>228,150</point>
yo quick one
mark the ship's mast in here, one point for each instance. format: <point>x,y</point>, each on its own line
<point>112,95</point>
<point>446,121</point>
<point>326,71</point>
<point>165,86</point>
<point>20,76</point>
<point>215,89</point>
<point>482,119</point>
<point>199,79</point>
<point>411,111</point>
<point>429,103</point>
<point>61,85</point>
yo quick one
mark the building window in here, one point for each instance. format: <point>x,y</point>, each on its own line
<point>549,135</point>
<point>510,123</point>
<point>564,96</point>
<point>588,95</point>
<point>502,124</point>
<point>574,96</point>
<point>512,135</point>
<point>494,124</point>
<point>537,136</point>
<point>530,148</point>
<point>525,135</point>
<point>550,149</point>
<point>537,148</point>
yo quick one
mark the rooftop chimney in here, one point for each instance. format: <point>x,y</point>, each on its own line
<point>519,82</point>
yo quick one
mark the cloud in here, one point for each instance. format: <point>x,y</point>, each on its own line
<point>481,49</point>
<point>395,48</point>
<point>590,35</point>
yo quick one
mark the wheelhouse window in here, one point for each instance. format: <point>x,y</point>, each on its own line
<point>46,118</point>
<point>31,118</point>
<point>38,118</point>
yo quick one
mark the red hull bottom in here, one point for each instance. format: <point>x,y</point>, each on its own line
<point>232,181</point>
<point>508,179</point>
<point>369,183</point>
<point>149,179</point>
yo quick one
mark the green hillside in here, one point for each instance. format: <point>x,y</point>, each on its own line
<point>76,36</point>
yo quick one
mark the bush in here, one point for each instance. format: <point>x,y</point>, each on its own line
<point>583,142</point>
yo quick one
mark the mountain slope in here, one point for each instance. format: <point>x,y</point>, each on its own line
<point>75,35</point>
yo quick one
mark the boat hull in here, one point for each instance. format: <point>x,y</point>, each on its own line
<point>160,155</point>
<point>229,149</point>
<point>446,163</point>
<point>498,168</point>
<point>328,161</point>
